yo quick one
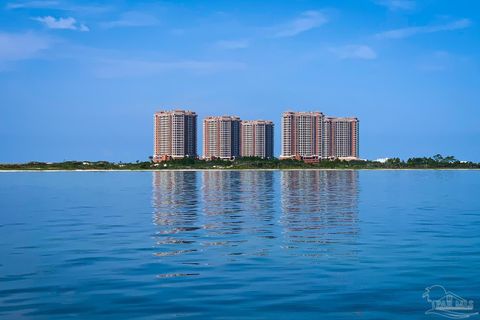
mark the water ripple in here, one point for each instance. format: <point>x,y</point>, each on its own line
<point>235,244</point>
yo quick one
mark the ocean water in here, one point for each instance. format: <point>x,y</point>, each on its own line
<point>236,244</point>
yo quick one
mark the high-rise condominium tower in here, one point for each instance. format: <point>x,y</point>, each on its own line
<point>221,137</point>
<point>341,137</point>
<point>301,134</point>
<point>175,135</point>
<point>257,139</point>
<point>312,135</point>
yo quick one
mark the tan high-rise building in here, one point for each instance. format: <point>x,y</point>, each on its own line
<point>301,134</point>
<point>311,135</point>
<point>175,135</point>
<point>341,138</point>
<point>257,138</point>
<point>221,137</point>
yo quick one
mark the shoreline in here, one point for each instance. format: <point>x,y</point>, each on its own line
<point>253,169</point>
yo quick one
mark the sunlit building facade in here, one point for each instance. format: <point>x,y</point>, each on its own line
<point>175,135</point>
<point>311,135</point>
<point>221,137</point>
<point>341,138</point>
<point>257,138</point>
<point>301,134</point>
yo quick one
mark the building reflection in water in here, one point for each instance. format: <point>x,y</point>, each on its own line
<point>319,211</point>
<point>175,198</point>
<point>175,212</point>
<point>212,217</point>
<point>215,217</point>
<point>239,204</point>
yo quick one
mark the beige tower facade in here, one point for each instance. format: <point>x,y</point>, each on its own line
<point>301,134</point>
<point>341,137</point>
<point>221,137</point>
<point>311,135</point>
<point>175,135</point>
<point>257,138</point>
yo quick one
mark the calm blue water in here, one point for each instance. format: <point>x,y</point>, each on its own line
<point>236,245</point>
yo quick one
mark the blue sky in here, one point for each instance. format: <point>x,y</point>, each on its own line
<point>81,80</point>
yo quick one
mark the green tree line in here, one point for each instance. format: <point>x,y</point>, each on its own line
<point>435,162</point>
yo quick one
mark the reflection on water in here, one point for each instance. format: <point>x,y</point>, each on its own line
<point>224,216</point>
<point>238,201</point>
<point>319,209</point>
<point>175,204</point>
<point>175,200</point>
<point>239,212</point>
<point>235,244</point>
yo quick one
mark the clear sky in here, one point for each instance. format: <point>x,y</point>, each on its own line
<point>81,80</point>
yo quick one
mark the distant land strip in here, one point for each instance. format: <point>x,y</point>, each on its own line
<point>249,163</point>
